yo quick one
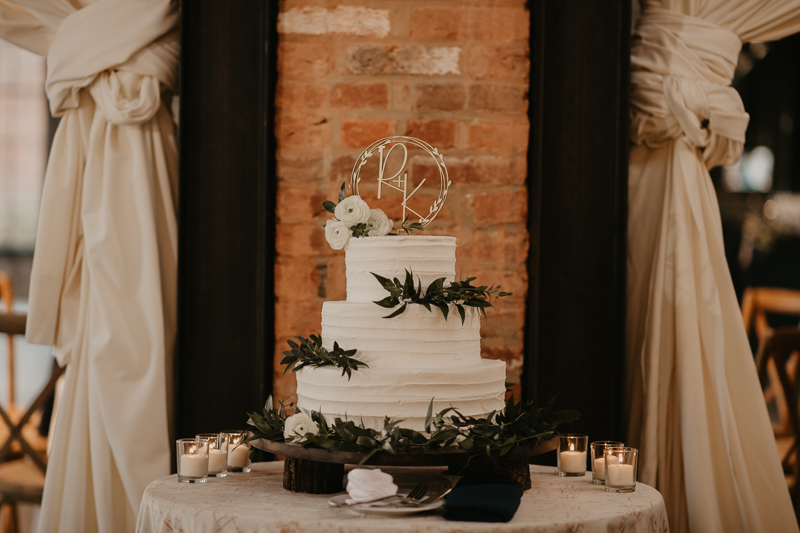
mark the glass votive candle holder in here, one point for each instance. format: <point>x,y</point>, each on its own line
<point>571,455</point>
<point>238,451</point>
<point>217,454</point>
<point>621,464</point>
<point>599,461</point>
<point>192,462</point>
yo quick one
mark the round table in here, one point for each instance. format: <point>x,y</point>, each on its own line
<point>257,502</point>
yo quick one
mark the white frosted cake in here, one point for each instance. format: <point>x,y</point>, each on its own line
<point>414,357</point>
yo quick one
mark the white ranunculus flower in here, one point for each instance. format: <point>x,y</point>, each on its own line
<point>352,210</point>
<point>365,484</point>
<point>298,425</point>
<point>337,233</point>
<point>378,224</point>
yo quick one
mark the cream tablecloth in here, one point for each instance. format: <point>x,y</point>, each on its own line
<point>257,502</point>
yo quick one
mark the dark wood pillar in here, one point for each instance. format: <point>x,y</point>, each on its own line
<point>227,214</point>
<point>578,166</point>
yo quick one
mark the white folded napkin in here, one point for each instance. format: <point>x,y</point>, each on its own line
<point>366,484</point>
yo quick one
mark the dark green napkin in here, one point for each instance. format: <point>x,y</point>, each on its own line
<point>482,499</point>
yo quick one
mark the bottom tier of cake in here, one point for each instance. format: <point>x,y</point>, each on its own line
<point>373,394</point>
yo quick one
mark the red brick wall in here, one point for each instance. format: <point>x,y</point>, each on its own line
<point>453,73</point>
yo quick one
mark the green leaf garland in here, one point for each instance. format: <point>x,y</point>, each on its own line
<point>459,293</point>
<point>494,435</point>
<point>310,352</point>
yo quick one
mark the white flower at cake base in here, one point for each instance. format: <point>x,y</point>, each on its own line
<point>298,425</point>
<point>337,234</point>
<point>378,224</point>
<point>365,484</point>
<point>352,210</point>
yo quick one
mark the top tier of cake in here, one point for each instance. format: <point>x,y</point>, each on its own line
<point>428,257</point>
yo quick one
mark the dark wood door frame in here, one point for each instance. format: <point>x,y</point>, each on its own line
<point>223,366</point>
<point>578,167</point>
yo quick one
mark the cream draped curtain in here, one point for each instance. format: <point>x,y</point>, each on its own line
<point>696,408</point>
<point>103,288</point>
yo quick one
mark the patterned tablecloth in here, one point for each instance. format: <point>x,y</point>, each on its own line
<point>257,502</point>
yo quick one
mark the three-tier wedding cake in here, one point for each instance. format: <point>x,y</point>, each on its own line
<point>412,358</point>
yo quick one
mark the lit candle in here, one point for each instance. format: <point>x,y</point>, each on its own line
<point>237,455</point>
<point>620,475</point>
<point>600,466</point>
<point>194,465</point>
<point>217,460</point>
<point>572,461</point>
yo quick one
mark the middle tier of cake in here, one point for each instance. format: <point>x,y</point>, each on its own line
<point>374,393</point>
<point>418,338</point>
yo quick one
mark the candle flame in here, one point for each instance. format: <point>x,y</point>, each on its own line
<point>192,449</point>
<point>620,458</point>
<point>572,447</point>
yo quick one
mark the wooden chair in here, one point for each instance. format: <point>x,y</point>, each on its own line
<point>7,297</point>
<point>22,462</point>
<point>779,349</point>
<point>756,304</point>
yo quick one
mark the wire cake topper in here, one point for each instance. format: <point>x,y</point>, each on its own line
<point>399,180</point>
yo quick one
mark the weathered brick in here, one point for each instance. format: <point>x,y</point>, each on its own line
<point>405,59</point>
<point>304,60</point>
<point>296,278</point>
<point>437,133</point>
<point>495,244</point>
<point>509,62</point>
<point>502,99</point>
<point>498,24</point>
<point>299,202</point>
<point>324,64</point>
<point>360,95</point>
<point>437,23</point>
<point>498,207</point>
<point>296,316</point>
<point>299,167</point>
<point>341,169</point>
<point>509,136</point>
<point>489,170</point>
<point>299,240</point>
<point>360,132</point>
<point>501,352</point>
<point>346,20</point>
<point>302,131</point>
<point>300,95</point>
<point>336,284</point>
<point>449,97</point>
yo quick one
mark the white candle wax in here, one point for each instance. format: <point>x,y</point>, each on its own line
<point>600,466</point>
<point>620,475</point>
<point>193,465</point>
<point>573,462</point>
<point>217,461</point>
<point>237,456</point>
<point>599,469</point>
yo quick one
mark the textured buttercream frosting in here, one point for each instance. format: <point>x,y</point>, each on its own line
<point>413,358</point>
<point>427,257</point>
<point>402,393</point>
<point>418,338</point>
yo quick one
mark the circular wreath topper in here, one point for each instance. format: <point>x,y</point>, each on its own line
<point>399,180</point>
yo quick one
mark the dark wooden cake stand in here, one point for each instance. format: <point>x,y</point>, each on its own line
<point>319,471</point>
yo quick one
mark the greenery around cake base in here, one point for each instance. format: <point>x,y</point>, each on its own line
<point>519,424</point>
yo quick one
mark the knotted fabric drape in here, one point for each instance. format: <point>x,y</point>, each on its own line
<point>103,288</point>
<point>696,408</point>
